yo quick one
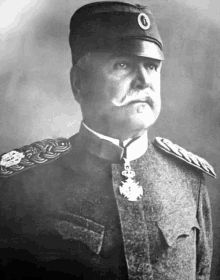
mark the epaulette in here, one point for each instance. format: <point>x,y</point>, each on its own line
<point>184,155</point>
<point>32,155</point>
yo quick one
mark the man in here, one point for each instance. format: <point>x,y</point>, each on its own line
<point>107,203</point>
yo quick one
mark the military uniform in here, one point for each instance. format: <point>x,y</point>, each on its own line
<point>62,214</point>
<point>88,208</point>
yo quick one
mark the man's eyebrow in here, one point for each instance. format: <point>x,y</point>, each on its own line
<point>149,59</point>
<point>153,61</point>
<point>119,55</point>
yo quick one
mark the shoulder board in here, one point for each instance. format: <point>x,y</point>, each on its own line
<point>32,155</point>
<point>184,155</point>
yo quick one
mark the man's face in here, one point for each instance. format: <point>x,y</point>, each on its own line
<point>122,93</point>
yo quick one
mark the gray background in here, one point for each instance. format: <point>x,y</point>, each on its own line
<point>36,100</point>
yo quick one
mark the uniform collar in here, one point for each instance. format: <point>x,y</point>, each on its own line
<point>108,148</point>
<point>110,139</point>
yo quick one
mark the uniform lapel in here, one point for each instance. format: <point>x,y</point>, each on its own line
<point>134,231</point>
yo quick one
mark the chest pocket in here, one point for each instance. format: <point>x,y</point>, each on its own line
<point>177,227</point>
<point>75,227</point>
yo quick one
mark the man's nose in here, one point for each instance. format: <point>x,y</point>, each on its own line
<point>142,78</point>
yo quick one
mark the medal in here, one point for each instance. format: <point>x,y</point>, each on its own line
<point>129,188</point>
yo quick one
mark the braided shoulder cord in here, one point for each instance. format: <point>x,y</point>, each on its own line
<point>33,154</point>
<point>186,156</point>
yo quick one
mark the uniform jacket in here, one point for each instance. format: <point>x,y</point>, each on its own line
<point>62,215</point>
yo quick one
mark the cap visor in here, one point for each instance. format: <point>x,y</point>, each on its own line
<point>140,48</point>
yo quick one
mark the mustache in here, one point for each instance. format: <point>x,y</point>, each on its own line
<point>134,98</point>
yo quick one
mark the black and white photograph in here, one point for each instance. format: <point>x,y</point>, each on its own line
<point>110,139</point>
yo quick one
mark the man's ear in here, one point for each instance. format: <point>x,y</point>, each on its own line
<point>76,83</point>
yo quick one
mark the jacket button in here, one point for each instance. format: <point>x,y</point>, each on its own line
<point>147,267</point>
<point>148,272</point>
<point>148,277</point>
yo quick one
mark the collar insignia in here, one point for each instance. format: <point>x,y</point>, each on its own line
<point>32,155</point>
<point>186,156</point>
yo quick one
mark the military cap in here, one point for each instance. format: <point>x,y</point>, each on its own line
<point>117,26</point>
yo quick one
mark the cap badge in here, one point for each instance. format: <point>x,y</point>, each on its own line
<point>144,21</point>
<point>11,158</point>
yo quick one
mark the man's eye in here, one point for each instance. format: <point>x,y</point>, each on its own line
<point>121,65</point>
<point>151,67</point>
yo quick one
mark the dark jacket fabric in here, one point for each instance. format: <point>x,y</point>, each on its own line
<point>66,218</point>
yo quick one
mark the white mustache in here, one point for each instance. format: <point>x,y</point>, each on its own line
<point>136,97</point>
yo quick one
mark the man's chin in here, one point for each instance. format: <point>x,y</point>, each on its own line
<point>141,107</point>
<point>142,123</point>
